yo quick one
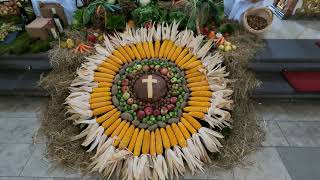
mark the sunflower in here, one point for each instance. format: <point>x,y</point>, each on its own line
<point>153,100</point>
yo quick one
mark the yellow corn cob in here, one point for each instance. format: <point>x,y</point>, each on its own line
<point>146,49</point>
<point>163,48</point>
<point>176,53</point>
<point>200,88</point>
<point>151,49</point>
<point>137,146</point>
<point>196,109</point>
<point>168,48</point>
<point>199,115</point>
<point>184,130</point>
<point>184,52</point>
<point>104,70</point>
<point>108,60</point>
<point>110,120</point>
<point>110,66</point>
<point>201,99</point>
<point>181,140</point>
<point>193,64</point>
<point>102,110</point>
<point>116,59</point>
<point>196,79</point>
<point>124,54</point>
<point>121,134</point>
<point>100,94</point>
<point>107,123</point>
<point>106,116</point>
<point>185,59</point>
<point>192,121</point>
<point>133,140</point>
<point>159,147</point>
<point>101,79</point>
<point>104,84</point>
<point>114,125</point>
<point>97,90</point>
<point>100,99</point>
<point>201,94</point>
<point>172,138</point>
<point>130,52</point>
<point>100,104</point>
<point>119,55</point>
<point>103,75</point>
<point>140,50</point>
<point>118,129</point>
<point>126,138</point>
<point>198,84</point>
<point>197,103</point>
<point>165,138</point>
<point>191,129</point>
<point>195,69</point>
<point>146,142</point>
<point>195,74</point>
<point>135,51</point>
<point>157,48</point>
<point>152,143</point>
<point>194,58</point>
<point>174,47</point>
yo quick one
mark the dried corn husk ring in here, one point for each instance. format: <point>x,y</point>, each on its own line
<point>151,147</point>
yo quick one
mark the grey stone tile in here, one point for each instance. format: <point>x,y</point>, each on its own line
<point>25,178</point>
<point>266,165</point>
<point>302,111</point>
<point>301,163</point>
<point>287,29</point>
<point>301,134</point>
<point>39,166</point>
<point>13,158</point>
<point>274,136</point>
<point>309,34</point>
<point>271,111</point>
<point>18,130</point>
<point>15,106</point>
<point>210,173</point>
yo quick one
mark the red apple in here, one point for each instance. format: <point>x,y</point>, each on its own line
<point>125,82</point>
<point>141,114</point>
<point>173,100</point>
<point>156,112</point>
<point>164,71</point>
<point>164,110</point>
<point>171,107</point>
<point>148,110</point>
<point>92,38</point>
<point>130,101</point>
<point>124,89</point>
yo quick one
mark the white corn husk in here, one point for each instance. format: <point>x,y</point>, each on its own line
<point>175,163</point>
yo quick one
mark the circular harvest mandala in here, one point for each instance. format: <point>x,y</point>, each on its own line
<point>153,101</point>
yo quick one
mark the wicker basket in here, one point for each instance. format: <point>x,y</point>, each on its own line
<point>262,12</point>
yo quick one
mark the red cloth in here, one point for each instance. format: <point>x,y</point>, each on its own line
<point>303,81</point>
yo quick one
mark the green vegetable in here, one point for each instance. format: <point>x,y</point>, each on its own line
<point>117,22</point>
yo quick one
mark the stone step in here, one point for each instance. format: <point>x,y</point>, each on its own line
<point>25,62</point>
<point>275,86</point>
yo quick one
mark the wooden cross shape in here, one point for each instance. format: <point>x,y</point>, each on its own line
<point>149,82</point>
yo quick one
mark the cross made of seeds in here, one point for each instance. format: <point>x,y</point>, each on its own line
<point>149,82</point>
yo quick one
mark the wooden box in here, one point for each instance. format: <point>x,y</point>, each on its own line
<point>45,11</point>
<point>40,28</point>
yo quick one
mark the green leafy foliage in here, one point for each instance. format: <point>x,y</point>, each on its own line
<point>90,10</point>
<point>25,44</point>
<point>147,13</point>
<point>117,22</point>
<point>77,22</point>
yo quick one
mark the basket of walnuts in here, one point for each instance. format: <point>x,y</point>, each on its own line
<point>257,20</point>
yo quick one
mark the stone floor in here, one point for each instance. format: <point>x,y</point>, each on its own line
<point>291,150</point>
